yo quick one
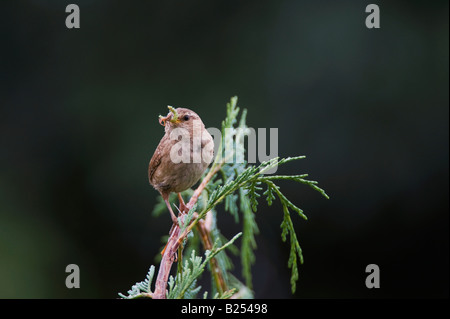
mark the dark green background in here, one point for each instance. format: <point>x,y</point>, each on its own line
<point>369,108</point>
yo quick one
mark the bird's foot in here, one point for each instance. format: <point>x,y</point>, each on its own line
<point>183,207</point>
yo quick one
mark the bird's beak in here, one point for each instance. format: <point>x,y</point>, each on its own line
<point>172,117</point>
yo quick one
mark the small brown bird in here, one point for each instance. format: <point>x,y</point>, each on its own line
<point>183,154</point>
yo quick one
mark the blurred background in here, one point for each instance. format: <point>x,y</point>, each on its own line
<point>369,108</point>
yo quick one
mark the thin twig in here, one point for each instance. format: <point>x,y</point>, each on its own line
<point>165,265</point>
<point>205,235</point>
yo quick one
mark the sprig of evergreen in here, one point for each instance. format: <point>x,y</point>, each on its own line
<point>184,285</point>
<point>249,180</point>
<point>141,289</point>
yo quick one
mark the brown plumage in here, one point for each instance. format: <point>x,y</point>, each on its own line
<point>183,154</point>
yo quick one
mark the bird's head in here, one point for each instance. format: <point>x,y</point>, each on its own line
<point>179,118</point>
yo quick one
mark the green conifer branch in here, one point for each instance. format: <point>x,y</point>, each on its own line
<point>229,182</point>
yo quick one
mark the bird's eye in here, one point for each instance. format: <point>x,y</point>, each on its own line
<point>186,117</point>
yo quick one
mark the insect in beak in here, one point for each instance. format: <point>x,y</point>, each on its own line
<point>172,116</point>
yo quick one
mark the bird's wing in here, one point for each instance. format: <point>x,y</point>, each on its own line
<point>156,160</point>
